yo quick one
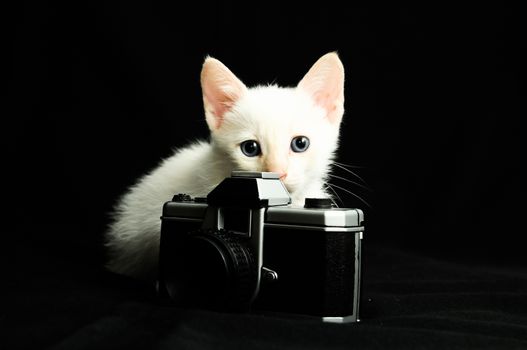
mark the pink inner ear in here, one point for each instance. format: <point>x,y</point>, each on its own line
<point>217,103</point>
<point>221,90</point>
<point>325,83</point>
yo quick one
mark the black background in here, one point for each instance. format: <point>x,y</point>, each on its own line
<point>97,94</point>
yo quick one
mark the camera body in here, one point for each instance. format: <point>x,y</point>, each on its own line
<point>244,248</point>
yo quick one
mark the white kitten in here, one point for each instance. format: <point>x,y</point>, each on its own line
<point>292,131</point>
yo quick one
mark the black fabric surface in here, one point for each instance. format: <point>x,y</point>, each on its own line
<point>409,302</point>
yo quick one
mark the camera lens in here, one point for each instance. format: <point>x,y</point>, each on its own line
<point>215,270</point>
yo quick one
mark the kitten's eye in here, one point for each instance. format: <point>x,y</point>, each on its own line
<point>250,148</point>
<point>300,144</point>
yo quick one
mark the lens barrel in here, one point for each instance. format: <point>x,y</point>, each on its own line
<point>215,270</point>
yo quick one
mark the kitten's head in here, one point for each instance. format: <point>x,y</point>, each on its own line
<point>291,131</point>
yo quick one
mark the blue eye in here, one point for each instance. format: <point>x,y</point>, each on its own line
<point>250,148</point>
<point>300,144</point>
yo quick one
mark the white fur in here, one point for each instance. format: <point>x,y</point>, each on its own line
<point>270,114</point>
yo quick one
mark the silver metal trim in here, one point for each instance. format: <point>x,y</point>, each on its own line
<point>256,243</point>
<point>357,282</point>
<point>255,174</point>
<point>340,319</point>
<point>316,228</point>
<point>335,217</point>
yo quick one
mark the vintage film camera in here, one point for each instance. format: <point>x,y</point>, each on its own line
<point>244,248</point>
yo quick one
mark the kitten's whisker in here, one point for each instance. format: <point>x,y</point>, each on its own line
<point>336,194</point>
<point>353,194</point>
<point>350,166</point>
<point>350,181</point>
<point>349,171</point>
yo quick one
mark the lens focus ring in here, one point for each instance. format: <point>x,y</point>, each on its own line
<point>238,269</point>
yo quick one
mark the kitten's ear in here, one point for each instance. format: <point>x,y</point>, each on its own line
<point>221,89</point>
<point>325,84</point>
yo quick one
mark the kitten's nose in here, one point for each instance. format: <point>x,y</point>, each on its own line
<point>278,167</point>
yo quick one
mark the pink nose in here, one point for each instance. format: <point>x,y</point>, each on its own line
<point>277,167</point>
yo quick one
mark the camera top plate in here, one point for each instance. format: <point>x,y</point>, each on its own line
<point>255,174</point>
<point>346,219</point>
